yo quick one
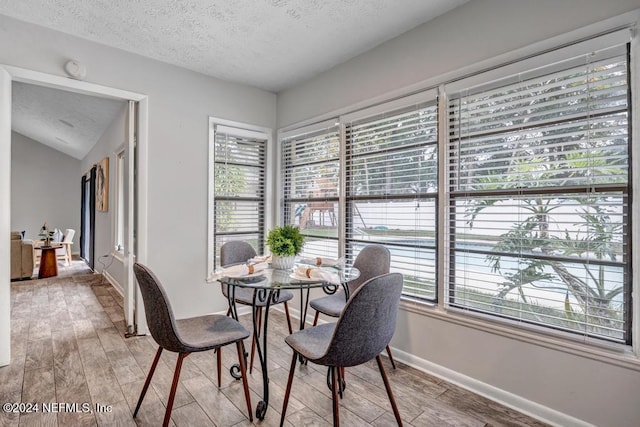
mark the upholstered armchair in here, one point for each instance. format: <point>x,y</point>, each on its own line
<point>21,256</point>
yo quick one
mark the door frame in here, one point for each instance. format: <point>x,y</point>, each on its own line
<point>9,74</point>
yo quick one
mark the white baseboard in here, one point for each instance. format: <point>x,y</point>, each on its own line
<point>242,310</point>
<point>296,313</point>
<point>518,403</point>
<point>113,282</point>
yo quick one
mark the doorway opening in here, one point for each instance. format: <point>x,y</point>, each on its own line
<point>134,311</point>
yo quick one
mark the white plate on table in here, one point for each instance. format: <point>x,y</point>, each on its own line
<point>303,278</point>
<point>313,262</point>
<point>253,277</point>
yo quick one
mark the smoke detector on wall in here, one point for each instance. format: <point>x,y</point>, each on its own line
<point>75,69</point>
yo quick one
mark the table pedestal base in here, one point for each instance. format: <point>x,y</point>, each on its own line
<point>48,263</point>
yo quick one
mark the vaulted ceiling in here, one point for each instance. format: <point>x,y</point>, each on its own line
<point>68,122</point>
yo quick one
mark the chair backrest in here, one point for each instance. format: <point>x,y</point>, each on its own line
<point>68,235</point>
<point>367,322</point>
<point>236,251</point>
<point>57,235</point>
<point>372,261</point>
<point>157,309</point>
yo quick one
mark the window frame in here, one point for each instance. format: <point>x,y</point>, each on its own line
<point>244,129</point>
<point>406,105</point>
<point>283,217</point>
<point>497,76</point>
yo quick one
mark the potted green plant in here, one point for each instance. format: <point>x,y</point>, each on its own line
<point>46,235</point>
<point>285,243</point>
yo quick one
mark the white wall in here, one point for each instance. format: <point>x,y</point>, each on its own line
<point>476,31</point>
<point>180,103</point>
<point>524,370</point>
<point>45,186</point>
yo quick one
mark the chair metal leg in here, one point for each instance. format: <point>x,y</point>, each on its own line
<point>315,318</point>
<point>334,395</point>
<point>148,380</point>
<point>245,382</point>
<point>389,392</point>
<point>219,365</point>
<point>174,387</point>
<point>342,385</point>
<point>286,311</point>
<point>393,363</point>
<point>289,381</point>
<point>255,338</point>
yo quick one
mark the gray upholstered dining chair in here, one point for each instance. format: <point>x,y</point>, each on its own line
<point>372,261</point>
<point>234,252</point>
<point>184,336</point>
<point>363,330</point>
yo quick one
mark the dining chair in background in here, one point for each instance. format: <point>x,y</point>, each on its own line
<point>185,336</point>
<point>372,261</point>
<point>365,327</point>
<point>234,252</point>
<point>64,253</point>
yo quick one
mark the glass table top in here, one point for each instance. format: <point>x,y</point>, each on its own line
<point>271,278</point>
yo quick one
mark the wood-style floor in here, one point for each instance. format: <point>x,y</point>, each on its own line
<point>68,346</point>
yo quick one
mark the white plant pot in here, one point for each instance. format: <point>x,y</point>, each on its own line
<point>283,263</point>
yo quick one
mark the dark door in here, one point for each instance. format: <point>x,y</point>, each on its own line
<point>88,217</point>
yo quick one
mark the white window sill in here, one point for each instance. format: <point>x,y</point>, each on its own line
<point>118,255</point>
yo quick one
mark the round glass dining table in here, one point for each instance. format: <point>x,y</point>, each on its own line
<point>267,285</point>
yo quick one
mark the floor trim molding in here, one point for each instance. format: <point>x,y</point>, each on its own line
<point>520,404</point>
<point>113,282</point>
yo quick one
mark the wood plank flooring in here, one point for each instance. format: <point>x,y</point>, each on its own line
<point>68,346</point>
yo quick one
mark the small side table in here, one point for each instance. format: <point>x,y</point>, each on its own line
<point>48,262</point>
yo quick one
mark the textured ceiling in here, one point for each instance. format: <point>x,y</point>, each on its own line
<point>269,44</point>
<point>66,121</point>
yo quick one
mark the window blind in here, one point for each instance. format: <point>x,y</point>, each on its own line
<point>539,196</point>
<point>311,183</point>
<point>391,185</point>
<point>239,187</point>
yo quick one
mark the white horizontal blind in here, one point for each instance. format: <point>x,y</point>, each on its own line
<point>239,187</point>
<point>391,185</point>
<point>539,196</point>
<point>311,182</point>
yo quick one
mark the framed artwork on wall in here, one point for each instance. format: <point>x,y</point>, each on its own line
<point>102,185</point>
